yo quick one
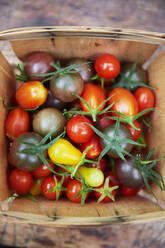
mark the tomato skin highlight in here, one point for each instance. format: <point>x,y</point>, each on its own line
<point>145,98</point>
<point>31,95</point>
<point>43,171</point>
<point>17,122</point>
<point>63,152</point>
<point>135,133</point>
<point>125,102</point>
<point>107,66</point>
<point>96,148</point>
<point>73,188</point>
<point>20,181</point>
<point>94,96</point>
<point>77,130</point>
<point>128,191</point>
<point>47,184</point>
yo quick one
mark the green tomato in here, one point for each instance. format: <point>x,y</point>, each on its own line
<point>49,119</point>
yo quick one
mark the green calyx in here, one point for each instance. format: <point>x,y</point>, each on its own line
<point>22,76</point>
<point>58,187</point>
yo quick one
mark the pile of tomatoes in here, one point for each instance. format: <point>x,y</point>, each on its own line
<point>77,130</point>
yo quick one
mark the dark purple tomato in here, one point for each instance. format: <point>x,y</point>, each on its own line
<point>86,70</point>
<point>127,174</point>
<point>123,133</point>
<point>66,86</point>
<point>53,102</point>
<point>38,63</point>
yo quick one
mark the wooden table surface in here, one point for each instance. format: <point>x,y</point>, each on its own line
<point>139,14</point>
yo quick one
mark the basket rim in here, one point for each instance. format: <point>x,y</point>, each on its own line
<point>82,31</point>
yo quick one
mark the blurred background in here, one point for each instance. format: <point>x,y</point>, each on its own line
<point>138,14</point>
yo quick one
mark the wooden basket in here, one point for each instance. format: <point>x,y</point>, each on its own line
<point>85,42</point>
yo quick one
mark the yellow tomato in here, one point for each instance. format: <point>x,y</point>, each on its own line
<point>36,187</point>
<point>93,176</point>
<point>63,152</point>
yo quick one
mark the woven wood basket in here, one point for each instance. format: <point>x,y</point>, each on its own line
<point>83,42</point>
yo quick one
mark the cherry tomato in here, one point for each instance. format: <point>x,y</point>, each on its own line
<point>107,66</point>
<point>43,171</point>
<point>20,181</point>
<point>73,188</point>
<point>124,102</point>
<point>105,122</point>
<point>31,94</point>
<point>106,198</point>
<point>17,122</point>
<point>101,166</point>
<point>94,96</point>
<point>36,187</point>
<point>96,148</point>
<point>128,191</point>
<point>47,184</point>
<point>112,178</point>
<point>77,130</point>
<point>135,133</point>
<point>145,98</point>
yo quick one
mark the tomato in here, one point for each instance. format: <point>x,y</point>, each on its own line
<point>94,96</point>
<point>20,181</point>
<point>63,152</point>
<point>128,191</point>
<point>53,102</point>
<point>36,187</point>
<point>93,176</point>
<point>145,98</point>
<point>96,148</point>
<point>43,171</point>
<point>105,122</point>
<point>123,133</point>
<point>101,166</point>
<point>49,119</point>
<point>47,184</point>
<point>128,175</point>
<point>107,66</point>
<point>38,63</point>
<point>112,178</point>
<point>85,70</point>
<point>27,162</point>
<point>73,188</point>
<point>77,130</point>
<point>135,133</point>
<point>124,102</point>
<point>106,198</point>
<point>17,122</point>
<point>64,87</point>
<point>31,94</point>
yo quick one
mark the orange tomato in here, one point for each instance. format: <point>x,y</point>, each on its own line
<point>124,102</point>
<point>31,94</point>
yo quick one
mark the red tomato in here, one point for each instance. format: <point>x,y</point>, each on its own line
<point>106,198</point>
<point>77,130</point>
<point>145,98</point>
<point>112,178</point>
<point>124,102</point>
<point>31,94</point>
<point>17,122</point>
<point>20,181</point>
<point>135,133</point>
<point>128,191</point>
<point>105,122</point>
<point>43,171</point>
<point>73,188</point>
<point>107,66</point>
<point>96,148</point>
<point>47,184</point>
<point>101,166</point>
<point>94,96</point>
